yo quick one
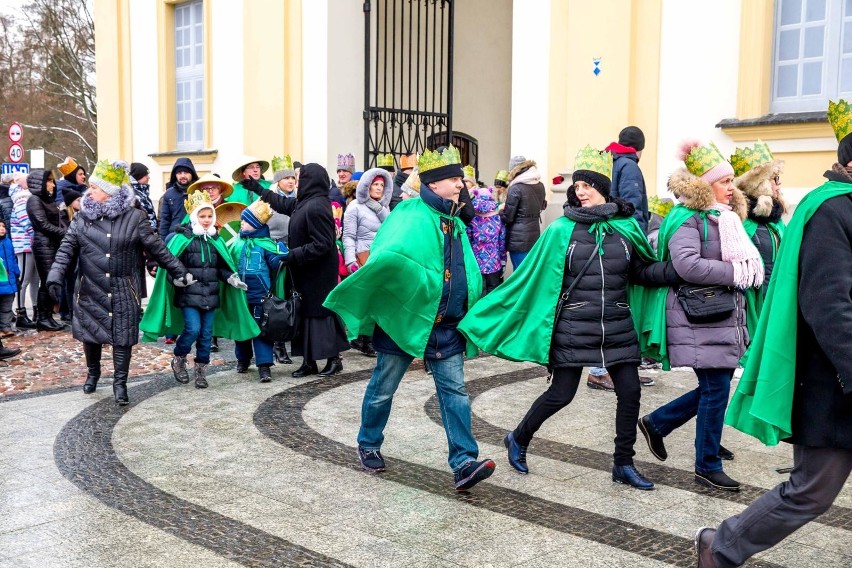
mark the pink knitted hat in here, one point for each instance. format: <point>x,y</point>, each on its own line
<point>717,172</point>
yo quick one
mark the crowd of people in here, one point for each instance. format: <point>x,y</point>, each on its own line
<point>410,263</point>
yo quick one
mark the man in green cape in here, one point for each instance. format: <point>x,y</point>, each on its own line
<point>420,280</point>
<point>248,181</point>
<point>797,381</point>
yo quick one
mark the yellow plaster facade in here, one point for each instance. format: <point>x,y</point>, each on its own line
<point>112,25</point>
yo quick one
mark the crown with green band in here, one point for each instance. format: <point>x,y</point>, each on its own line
<point>469,172</point>
<point>430,160</point>
<point>279,164</point>
<point>748,158</point>
<point>703,158</point>
<point>502,175</point>
<point>196,199</point>
<point>840,118</point>
<point>110,176</point>
<point>384,161</point>
<point>594,160</point>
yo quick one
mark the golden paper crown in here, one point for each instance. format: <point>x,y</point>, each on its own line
<point>197,199</point>
<point>68,166</point>
<point>261,210</point>
<point>502,175</point>
<point>281,163</point>
<point>840,118</point>
<point>430,160</point>
<point>594,160</point>
<point>407,161</point>
<point>659,206</point>
<point>384,161</point>
<point>703,158</point>
<point>110,176</point>
<point>469,173</point>
<point>748,158</point>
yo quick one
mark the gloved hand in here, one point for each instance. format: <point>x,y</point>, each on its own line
<point>234,280</point>
<point>252,185</point>
<point>151,266</point>
<point>374,205</point>
<point>353,267</point>
<point>55,291</point>
<point>184,281</point>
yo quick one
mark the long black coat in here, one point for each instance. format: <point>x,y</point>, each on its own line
<point>108,240</point>
<point>313,253</point>
<point>48,228</point>
<point>822,413</point>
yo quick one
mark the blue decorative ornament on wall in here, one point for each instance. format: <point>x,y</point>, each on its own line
<point>597,62</point>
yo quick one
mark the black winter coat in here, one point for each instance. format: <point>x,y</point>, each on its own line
<point>108,240</point>
<point>43,212</point>
<point>206,266</point>
<point>595,326</point>
<point>312,261</point>
<point>822,413</point>
<point>6,207</point>
<point>521,215</point>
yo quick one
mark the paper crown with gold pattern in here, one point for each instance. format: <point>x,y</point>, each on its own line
<point>701,159</point>
<point>435,166</point>
<point>68,166</point>
<point>469,174</point>
<point>593,160</point>
<point>110,177</point>
<point>840,118</point>
<point>282,167</point>
<point>659,206</point>
<point>748,158</point>
<point>256,214</point>
<point>502,178</point>
<point>384,161</point>
<point>198,200</point>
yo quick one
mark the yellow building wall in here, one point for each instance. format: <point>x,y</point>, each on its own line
<point>112,64</point>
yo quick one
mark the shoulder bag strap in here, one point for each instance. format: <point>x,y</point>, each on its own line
<point>564,296</point>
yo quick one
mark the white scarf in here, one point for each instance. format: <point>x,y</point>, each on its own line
<point>738,249</point>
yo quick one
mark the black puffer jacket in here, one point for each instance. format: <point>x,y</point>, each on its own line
<point>108,239</point>
<point>595,326</point>
<point>6,207</point>
<point>206,266</point>
<point>522,213</point>
<point>44,216</point>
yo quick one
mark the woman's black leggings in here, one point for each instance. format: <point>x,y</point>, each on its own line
<point>562,389</point>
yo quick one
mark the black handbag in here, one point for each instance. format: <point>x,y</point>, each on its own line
<point>281,318</point>
<point>706,304</point>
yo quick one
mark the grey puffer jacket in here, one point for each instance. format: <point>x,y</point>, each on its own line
<point>698,260</point>
<point>360,223</point>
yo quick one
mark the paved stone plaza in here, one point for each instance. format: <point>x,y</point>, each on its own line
<point>267,475</point>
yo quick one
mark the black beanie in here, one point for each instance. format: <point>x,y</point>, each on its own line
<point>632,136</point>
<point>138,170</point>
<point>844,150</point>
<point>599,181</point>
<point>69,196</point>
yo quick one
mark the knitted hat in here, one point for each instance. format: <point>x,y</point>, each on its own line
<point>632,136</point>
<point>67,167</point>
<point>436,166</point>
<point>501,178</point>
<point>594,168</point>
<point>346,162</point>
<point>110,177</point>
<point>69,196</point>
<point>237,174</point>
<point>407,161</point>
<point>138,170</point>
<point>211,179</point>
<point>256,214</point>
<point>706,162</point>
<point>282,167</point>
<point>196,202</point>
<point>516,161</point>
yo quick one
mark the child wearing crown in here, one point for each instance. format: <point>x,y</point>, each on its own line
<point>487,236</point>
<point>215,304</point>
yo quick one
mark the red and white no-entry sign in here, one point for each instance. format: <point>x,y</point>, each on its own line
<point>16,153</point>
<point>16,132</point>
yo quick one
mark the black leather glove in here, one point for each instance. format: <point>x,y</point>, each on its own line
<point>55,291</point>
<point>252,185</point>
<point>151,267</point>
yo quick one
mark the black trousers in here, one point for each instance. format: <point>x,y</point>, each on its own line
<point>563,387</point>
<point>491,281</point>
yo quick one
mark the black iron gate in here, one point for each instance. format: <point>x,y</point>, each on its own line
<point>408,76</point>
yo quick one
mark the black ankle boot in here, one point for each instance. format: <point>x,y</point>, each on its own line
<point>333,366</point>
<point>280,352</point>
<point>214,345</point>
<point>93,364</point>
<point>264,372</point>
<point>22,321</point>
<point>121,362</point>
<point>8,352</point>
<point>242,366</point>
<point>47,323</point>
<point>305,370</point>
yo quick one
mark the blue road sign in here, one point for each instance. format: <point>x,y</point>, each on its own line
<point>9,168</point>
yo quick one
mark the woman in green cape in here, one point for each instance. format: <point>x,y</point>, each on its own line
<point>567,307</point>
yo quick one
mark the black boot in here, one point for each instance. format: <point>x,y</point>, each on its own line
<point>242,366</point>
<point>7,352</point>
<point>280,351</point>
<point>332,366</point>
<point>264,372</point>
<point>93,363</point>
<point>121,362</point>
<point>23,321</point>
<point>214,345</point>
<point>47,323</point>
<point>306,369</point>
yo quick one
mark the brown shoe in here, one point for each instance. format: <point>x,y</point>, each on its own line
<point>703,545</point>
<point>600,382</point>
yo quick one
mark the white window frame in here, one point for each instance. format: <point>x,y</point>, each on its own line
<point>189,75</point>
<point>832,58</point>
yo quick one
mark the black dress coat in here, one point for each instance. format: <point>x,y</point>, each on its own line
<point>105,241</point>
<point>48,228</point>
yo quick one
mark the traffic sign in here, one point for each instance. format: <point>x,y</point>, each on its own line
<point>16,132</point>
<point>16,153</point>
<point>23,168</point>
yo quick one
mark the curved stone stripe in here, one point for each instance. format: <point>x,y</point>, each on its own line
<point>837,517</point>
<point>84,454</point>
<point>280,418</point>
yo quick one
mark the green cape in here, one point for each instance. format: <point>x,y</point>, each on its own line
<point>515,321</point>
<point>399,288</point>
<point>754,298</point>
<point>244,196</point>
<point>231,319</point>
<point>763,402</point>
<point>267,244</point>
<point>3,274</point>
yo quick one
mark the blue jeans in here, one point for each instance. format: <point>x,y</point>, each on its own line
<point>262,348</point>
<point>708,404</point>
<point>198,329</point>
<point>597,371</point>
<point>452,398</point>
<point>517,258</point>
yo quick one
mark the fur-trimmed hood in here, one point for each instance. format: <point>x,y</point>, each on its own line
<point>756,184</point>
<point>520,168</point>
<point>117,204</point>
<point>362,194</point>
<point>696,193</point>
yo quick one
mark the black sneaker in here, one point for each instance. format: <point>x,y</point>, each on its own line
<point>473,473</point>
<point>655,441</point>
<point>717,480</point>
<point>371,460</point>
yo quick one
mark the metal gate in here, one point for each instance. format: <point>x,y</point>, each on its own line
<point>408,76</point>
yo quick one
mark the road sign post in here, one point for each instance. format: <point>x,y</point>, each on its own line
<point>16,153</point>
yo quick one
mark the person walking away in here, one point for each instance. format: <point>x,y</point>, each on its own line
<point>524,203</point>
<point>487,238</point>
